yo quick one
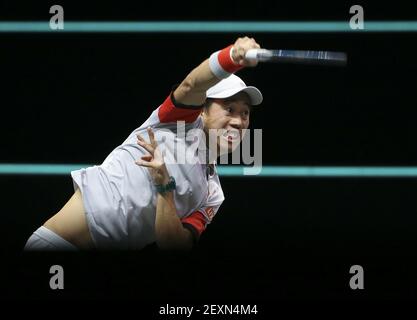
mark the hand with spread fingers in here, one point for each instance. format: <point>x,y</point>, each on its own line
<point>154,161</point>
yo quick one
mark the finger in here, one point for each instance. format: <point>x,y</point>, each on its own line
<point>144,164</point>
<point>148,157</point>
<point>146,146</point>
<point>152,137</point>
<point>241,52</point>
<point>140,137</point>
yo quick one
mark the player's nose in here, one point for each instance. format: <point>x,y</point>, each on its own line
<point>236,122</point>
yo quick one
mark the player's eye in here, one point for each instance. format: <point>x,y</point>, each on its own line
<point>229,109</point>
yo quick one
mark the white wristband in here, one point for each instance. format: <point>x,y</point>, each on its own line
<point>216,68</point>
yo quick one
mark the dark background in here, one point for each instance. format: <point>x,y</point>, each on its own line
<point>72,98</point>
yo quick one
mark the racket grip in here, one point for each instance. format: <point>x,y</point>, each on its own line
<point>258,54</point>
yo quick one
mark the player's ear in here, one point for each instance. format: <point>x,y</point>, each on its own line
<point>206,106</point>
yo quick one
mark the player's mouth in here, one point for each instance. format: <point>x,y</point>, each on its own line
<point>232,136</point>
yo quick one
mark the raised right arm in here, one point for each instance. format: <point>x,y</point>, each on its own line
<point>192,90</point>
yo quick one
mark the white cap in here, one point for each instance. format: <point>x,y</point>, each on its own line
<point>232,85</point>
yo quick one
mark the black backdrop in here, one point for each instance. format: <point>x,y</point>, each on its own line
<point>72,98</point>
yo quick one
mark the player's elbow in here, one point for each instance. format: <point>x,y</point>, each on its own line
<point>187,85</point>
<point>185,89</point>
<point>189,93</point>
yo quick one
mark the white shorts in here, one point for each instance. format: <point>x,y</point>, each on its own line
<point>44,239</point>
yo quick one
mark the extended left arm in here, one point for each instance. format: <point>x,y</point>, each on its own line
<point>170,233</point>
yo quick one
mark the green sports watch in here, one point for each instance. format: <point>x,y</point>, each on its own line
<point>171,185</point>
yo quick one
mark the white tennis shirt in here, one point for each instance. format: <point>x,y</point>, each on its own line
<point>120,198</point>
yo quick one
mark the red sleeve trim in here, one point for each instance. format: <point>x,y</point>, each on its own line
<point>168,112</point>
<point>197,220</point>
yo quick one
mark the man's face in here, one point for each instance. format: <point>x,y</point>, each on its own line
<point>227,118</point>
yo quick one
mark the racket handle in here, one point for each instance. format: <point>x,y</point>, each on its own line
<point>258,54</point>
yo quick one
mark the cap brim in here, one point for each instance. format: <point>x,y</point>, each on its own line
<point>254,94</point>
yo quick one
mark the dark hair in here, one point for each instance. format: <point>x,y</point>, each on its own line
<point>207,104</point>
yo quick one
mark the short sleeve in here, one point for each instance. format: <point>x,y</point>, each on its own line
<point>172,111</point>
<point>197,221</point>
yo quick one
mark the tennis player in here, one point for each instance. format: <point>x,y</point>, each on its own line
<point>161,185</point>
